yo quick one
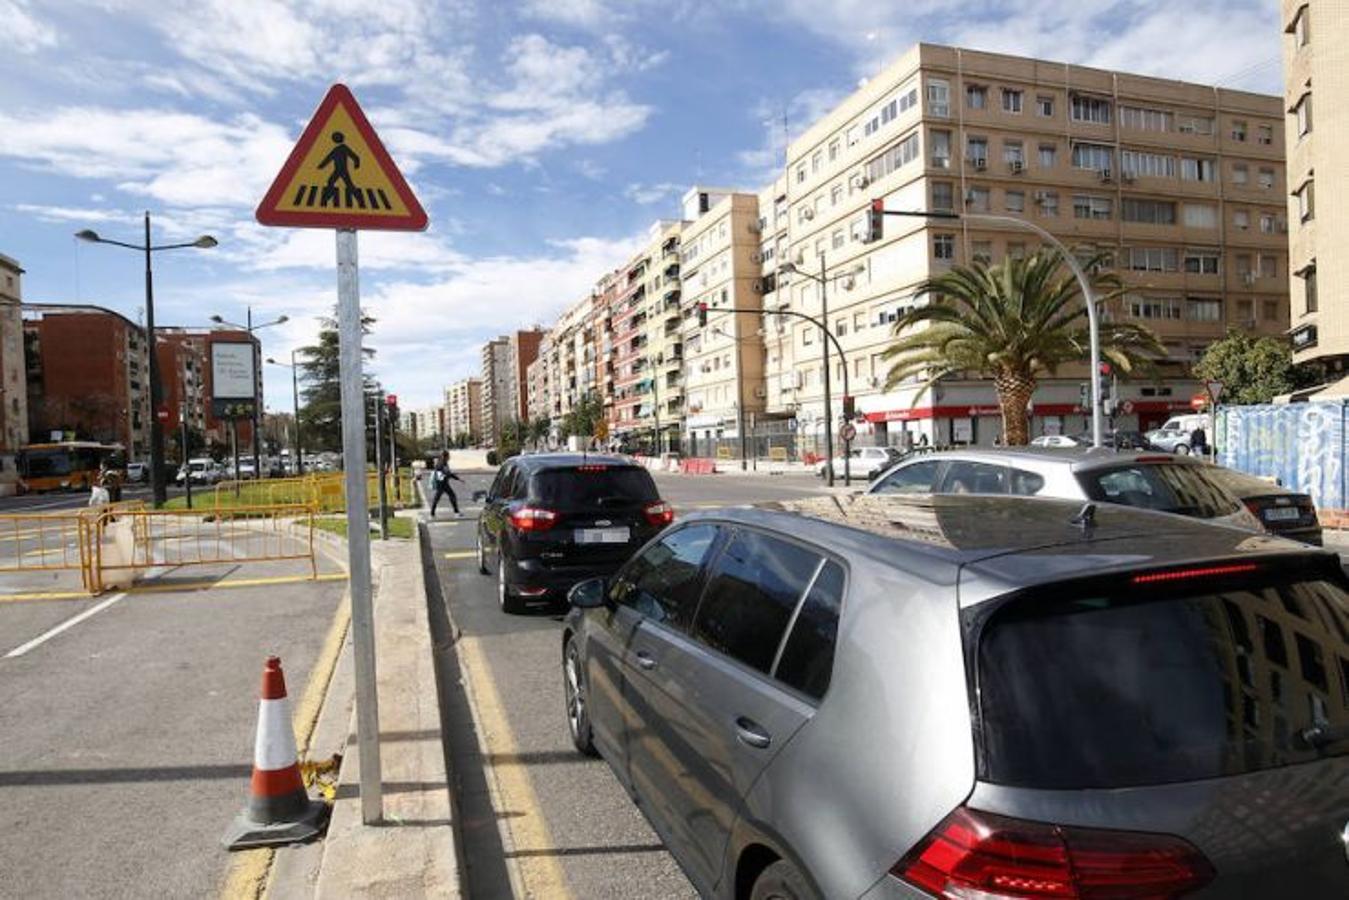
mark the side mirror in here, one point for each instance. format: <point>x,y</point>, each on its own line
<point>588,594</point>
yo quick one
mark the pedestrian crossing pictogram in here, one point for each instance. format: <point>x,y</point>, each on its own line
<point>340,176</point>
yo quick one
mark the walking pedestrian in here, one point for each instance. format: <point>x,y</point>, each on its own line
<point>440,483</point>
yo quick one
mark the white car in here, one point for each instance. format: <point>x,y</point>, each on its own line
<point>137,471</point>
<point>863,462</point>
<point>1054,440</point>
<point>202,470</point>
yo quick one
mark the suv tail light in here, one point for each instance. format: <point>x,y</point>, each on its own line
<point>659,514</point>
<point>533,518</point>
<point>977,854</point>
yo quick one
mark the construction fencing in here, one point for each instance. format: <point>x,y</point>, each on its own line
<point>325,491</point>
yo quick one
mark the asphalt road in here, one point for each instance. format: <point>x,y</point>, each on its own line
<point>60,500</point>
<point>544,814</point>
<point>126,739</point>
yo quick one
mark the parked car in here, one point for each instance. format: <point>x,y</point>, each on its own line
<point>137,472</point>
<point>1155,481</point>
<point>1118,440</point>
<point>552,519</point>
<point>1055,440</point>
<point>964,697</point>
<point>1175,433</point>
<point>1281,511</point>
<point>863,462</point>
<point>202,470</point>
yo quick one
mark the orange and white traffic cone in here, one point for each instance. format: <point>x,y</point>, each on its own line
<point>279,810</point>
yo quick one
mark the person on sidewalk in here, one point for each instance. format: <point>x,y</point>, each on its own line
<point>440,483</point>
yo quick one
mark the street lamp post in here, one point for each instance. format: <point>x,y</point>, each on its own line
<point>297,465</point>
<point>257,398</point>
<point>205,242</point>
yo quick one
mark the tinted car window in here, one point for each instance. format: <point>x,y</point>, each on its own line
<point>1026,484</point>
<point>1109,688</point>
<point>592,487</point>
<point>752,590</point>
<point>662,581</point>
<point>1184,489</point>
<point>974,478</point>
<point>914,479</point>
<point>808,656</point>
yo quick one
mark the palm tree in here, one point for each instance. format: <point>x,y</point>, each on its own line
<point>1014,322</point>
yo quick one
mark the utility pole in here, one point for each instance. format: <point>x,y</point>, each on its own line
<point>828,406</point>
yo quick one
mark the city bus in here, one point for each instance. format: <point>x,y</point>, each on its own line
<point>67,465</point>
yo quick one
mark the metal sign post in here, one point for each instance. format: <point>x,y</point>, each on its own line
<point>379,468</point>
<point>358,525</point>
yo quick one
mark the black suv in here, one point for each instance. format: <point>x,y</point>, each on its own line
<point>553,519</point>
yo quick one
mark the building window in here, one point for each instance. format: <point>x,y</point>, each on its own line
<point>1086,206</point>
<point>853,135</point>
<point>977,199</point>
<point>1152,212</point>
<point>1015,201</point>
<point>1306,201</point>
<point>944,246</point>
<point>1011,100</point>
<point>1264,134</point>
<point>940,147</point>
<point>800,174</point>
<point>1266,178</point>
<point>1096,157</point>
<point>943,196</point>
<point>1200,215</point>
<point>1269,266</point>
<point>807,336</point>
<point>1152,259</point>
<point>1048,202</point>
<point>1244,265</point>
<point>1239,130</point>
<point>836,195</point>
<point>1267,223</point>
<point>1190,124</point>
<point>1049,155</point>
<point>901,154</point>
<point>976,96</point>
<point>1204,310</point>
<point>859,321</point>
<point>836,239</point>
<point>816,160</point>
<point>1044,105</point>
<point>982,251</point>
<point>1303,111</point>
<point>1201,262</point>
<point>1148,165</point>
<point>976,151</point>
<point>1241,174</point>
<point>1195,168</point>
<point>833,150</point>
<point>938,97</point>
<point>1301,27</point>
<point>1016,250</point>
<point>1090,109</point>
<point>1013,153</point>
<point>1269,310</point>
<point>840,327</point>
<point>1241,220</point>
<point>1246,311</point>
<point>1154,308</point>
<point>1142,119</point>
<point>1309,286</point>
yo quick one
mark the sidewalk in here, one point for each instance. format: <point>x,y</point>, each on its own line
<point>413,852</point>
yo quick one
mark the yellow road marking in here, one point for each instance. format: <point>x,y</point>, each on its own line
<point>462,554</point>
<point>247,875</point>
<point>234,583</point>
<point>47,595</point>
<point>541,875</point>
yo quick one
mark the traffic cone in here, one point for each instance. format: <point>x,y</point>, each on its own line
<point>279,810</point>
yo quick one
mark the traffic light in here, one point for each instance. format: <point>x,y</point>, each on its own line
<point>1106,378</point>
<point>875,222</point>
<point>849,407</point>
<point>702,315</point>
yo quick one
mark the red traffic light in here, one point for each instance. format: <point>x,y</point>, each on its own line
<point>391,399</point>
<point>875,221</point>
<point>702,313</point>
<point>1106,368</point>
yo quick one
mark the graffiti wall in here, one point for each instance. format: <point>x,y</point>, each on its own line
<point>1301,444</point>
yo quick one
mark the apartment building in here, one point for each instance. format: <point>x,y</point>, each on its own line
<point>464,410</point>
<point>13,374</point>
<point>183,360</point>
<point>87,375</point>
<point>1316,68</point>
<point>1182,184</point>
<point>524,349</point>
<point>496,388</point>
<point>723,359</point>
<point>780,385</point>
<point>539,398</point>
<point>424,424</point>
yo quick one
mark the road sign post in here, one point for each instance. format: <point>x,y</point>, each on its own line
<point>340,176</point>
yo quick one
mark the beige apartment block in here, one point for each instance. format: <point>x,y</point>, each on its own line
<point>539,399</point>
<point>1316,127</point>
<point>1182,184</point>
<point>723,360</point>
<point>496,388</point>
<point>463,410</point>
<point>13,374</point>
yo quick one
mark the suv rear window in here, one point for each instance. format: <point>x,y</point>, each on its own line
<point>594,487</point>
<point>1111,684</point>
<point>1166,487</point>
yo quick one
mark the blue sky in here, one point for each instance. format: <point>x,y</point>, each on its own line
<point>543,136</point>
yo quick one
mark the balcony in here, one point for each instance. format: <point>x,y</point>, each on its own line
<point>672,298</point>
<point>672,270</point>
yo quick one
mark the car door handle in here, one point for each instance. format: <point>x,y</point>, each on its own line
<point>750,733</point>
<point>645,660</point>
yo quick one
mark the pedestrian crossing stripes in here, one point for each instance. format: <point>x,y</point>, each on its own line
<point>312,195</point>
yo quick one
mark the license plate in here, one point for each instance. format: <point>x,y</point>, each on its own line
<point>1282,513</point>
<point>602,535</point>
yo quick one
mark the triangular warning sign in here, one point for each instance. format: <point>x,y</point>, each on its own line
<point>340,176</point>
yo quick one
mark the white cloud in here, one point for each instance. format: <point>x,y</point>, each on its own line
<point>647,194</point>
<point>24,32</point>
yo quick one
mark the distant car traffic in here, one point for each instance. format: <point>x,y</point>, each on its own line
<point>972,697</point>
<point>863,462</point>
<point>137,472</point>
<point>1281,511</point>
<point>202,470</point>
<point>1148,480</point>
<point>550,520</point>
<point>1177,433</point>
<point>1055,440</point>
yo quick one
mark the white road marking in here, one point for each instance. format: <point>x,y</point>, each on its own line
<point>68,623</point>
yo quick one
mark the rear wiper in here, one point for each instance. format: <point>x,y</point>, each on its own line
<point>605,501</point>
<point>1319,737</point>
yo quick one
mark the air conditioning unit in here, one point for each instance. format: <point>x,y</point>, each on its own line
<point>980,163</point>
<point>807,213</point>
<point>860,181</point>
<point>756,286</point>
<point>760,392</point>
<point>1106,176</point>
<point>849,283</point>
<point>1016,166</point>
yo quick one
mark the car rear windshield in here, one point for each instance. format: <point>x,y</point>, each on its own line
<point>594,487</point>
<point>1167,487</point>
<point>1116,683</point>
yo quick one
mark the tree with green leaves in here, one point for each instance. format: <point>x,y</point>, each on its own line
<point>539,428</point>
<point>1014,322</point>
<point>321,413</point>
<point>1252,369</point>
<point>585,416</point>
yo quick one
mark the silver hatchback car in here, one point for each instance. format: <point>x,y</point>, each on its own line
<point>974,697</point>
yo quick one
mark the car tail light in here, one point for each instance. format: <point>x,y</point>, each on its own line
<point>533,518</point>
<point>1197,572</point>
<point>1254,507</point>
<point>658,514</point>
<point>590,467</point>
<point>977,854</point>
